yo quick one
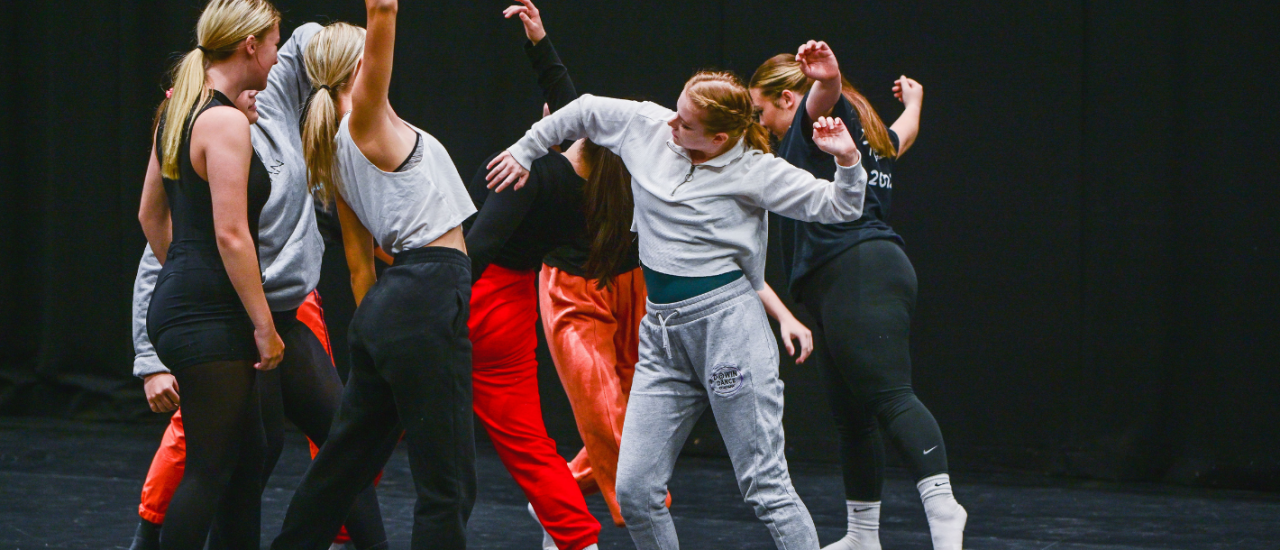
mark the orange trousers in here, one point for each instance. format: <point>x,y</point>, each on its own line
<point>594,338</point>
<point>171,458</point>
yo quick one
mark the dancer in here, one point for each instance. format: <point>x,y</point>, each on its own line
<point>410,356</point>
<point>208,318</point>
<point>591,292</point>
<point>859,285</point>
<point>507,240</point>
<point>702,185</point>
<point>305,388</point>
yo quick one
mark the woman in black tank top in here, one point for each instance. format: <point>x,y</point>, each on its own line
<point>209,320</point>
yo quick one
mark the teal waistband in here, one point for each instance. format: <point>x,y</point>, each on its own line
<point>666,289</point>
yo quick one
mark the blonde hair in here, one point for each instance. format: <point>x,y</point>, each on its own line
<point>782,72</point>
<point>331,58</point>
<point>726,107</point>
<point>223,25</point>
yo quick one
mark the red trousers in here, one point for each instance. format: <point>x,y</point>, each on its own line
<point>594,337</point>
<point>171,458</point>
<point>503,329</point>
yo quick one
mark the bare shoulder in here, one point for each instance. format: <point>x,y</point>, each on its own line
<point>222,121</point>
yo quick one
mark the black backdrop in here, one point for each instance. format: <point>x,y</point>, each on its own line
<point>1089,208</point>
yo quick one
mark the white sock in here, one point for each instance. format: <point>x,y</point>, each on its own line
<point>547,542</point>
<point>864,527</point>
<point>946,516</point>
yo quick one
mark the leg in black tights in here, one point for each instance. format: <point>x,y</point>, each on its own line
<point>225,454</point>
<point>308,392</point>
<point>863,301</point>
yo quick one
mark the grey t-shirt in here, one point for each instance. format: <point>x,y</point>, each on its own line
<point>290,248</point>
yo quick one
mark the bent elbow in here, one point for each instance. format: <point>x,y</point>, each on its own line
<point>383,6</point>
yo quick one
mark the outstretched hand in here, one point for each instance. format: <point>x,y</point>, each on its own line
<point>531,18</point>
<point>908,91</point>
<point>504,171</point>
<point>817,61</point>
<point>831,135</point>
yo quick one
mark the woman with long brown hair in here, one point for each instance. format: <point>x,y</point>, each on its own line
<point>208,318</point>
<point>860,287</point>
<point>702,185</point>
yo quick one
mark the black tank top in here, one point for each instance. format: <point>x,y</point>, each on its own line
<point>193,291</point>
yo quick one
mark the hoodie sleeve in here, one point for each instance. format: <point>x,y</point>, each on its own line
<point>145,362</point>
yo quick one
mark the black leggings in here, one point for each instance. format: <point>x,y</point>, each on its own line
<point>410,371</point>
<point>305,388</point>
<point>863,300</point>
<point>225,452</point>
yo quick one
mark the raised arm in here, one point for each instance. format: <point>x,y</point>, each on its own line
<point>603,120</point>
<point>818,62</point>
<point>911,94</point>
<point>287,84</point>
<point>553,76</point>
<point>797,194</point>
<point>383,138</point>
<point>153,212</point>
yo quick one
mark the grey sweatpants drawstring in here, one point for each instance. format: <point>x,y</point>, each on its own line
<point>666,341</point>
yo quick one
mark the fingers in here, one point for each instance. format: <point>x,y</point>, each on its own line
<point>529,5</point>
<point>806,346</point>
<point>523,178</point>
<point>791,350</point>
<point>513,10</point>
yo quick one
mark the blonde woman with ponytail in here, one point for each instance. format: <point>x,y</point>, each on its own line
<point>860,287</point>
<point>410,356</point>
<point>209,319</point>
<point>703,182</point>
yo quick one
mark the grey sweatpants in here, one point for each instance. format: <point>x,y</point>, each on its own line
<point>717,349</point>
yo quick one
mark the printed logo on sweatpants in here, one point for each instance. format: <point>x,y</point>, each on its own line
<point>725,380</point>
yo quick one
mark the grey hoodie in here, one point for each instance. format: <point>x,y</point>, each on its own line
<point>290,248</point>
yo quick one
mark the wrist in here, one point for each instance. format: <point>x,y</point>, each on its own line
<point>848,160</point>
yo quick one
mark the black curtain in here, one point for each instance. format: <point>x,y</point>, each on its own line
<point>1089,207</point>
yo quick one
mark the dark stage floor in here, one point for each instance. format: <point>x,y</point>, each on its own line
<point>75,485</point>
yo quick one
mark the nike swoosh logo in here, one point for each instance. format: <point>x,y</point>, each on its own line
<point>931,450</point>
<point>941,484</point>
<point>857,511</point>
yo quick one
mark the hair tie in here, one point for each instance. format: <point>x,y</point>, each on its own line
<point>326,88</point>
<point>203,49</point>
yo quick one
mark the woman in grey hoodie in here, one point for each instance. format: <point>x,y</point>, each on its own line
<point>703,184</point>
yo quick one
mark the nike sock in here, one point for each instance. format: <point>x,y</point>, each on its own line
<point>864,527</point>
<point>946,516</point>
<point>548,543</point>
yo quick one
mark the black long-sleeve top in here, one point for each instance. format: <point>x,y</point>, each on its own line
<point>545,218</point>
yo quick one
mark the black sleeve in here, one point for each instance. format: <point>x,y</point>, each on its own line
<point>553,76</point>
<point>498,217</point>
<point>842,110</point>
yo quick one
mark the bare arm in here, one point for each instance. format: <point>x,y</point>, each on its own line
<point>376,129</point>
<point>154,213</point>
<point>911,94</point>
<point>790,327</point>
<point>818,62</point>
<point>222,134</point>
<point>357,243</point>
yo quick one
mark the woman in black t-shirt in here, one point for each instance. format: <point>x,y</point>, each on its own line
<point>860,287</point>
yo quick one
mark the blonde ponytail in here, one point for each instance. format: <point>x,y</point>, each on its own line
<point>189,90</point>
<point>330,58</point>
<point>726,107</point>
<point>223,25</point>
<point>782,72</point>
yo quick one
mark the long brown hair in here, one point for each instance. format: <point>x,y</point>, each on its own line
<point>223,25</point>
<point>608,204</point>
<point>331,58</point>
<point>726,107</point>
<point>782,72</point>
